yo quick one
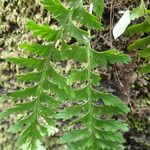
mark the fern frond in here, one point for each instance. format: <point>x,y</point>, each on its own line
<point>93,105</point>
<point>43,98</point>
<point>141,44</point>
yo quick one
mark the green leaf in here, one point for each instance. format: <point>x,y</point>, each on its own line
<point>77,75</point>
<point>110,56</point>
<point>108,99</point>
<point>42,50</point>
<point>21,123</point>
<point>95,78</point>
<point>77,33</point>
<point>30,77</point>
<point>30,136</point>
<point>82,75</point>
<point>139,11</point>
<point>46,111</point>
<point>53,88</point>
<point>145,53</point>
<point>106,144</point>
<point>82,144</point>
<point>56,77</point>
<point>24,136</point>
<point>17,109</point>
<point>49,120</point>
<point>44,32</point>
<point>98,6</point>
<point>81,94</point>
<point>75,135</point>
<point>70,112</point>
<point>73,52</point>
<point>110,136</point>
<point>108,110</point>
<point>25,93</point>
<point>75,3</point>
<point>77,53</point>
<point>50,101</point>
<point>110,125</point>
<point>27,62</point>
<point>138,28</point>
<point>59,11</point>
<point>145,69</point>
<point>140,43</point>
<point>87,19</point>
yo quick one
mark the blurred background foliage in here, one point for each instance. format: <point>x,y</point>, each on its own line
<point>13,17</point>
